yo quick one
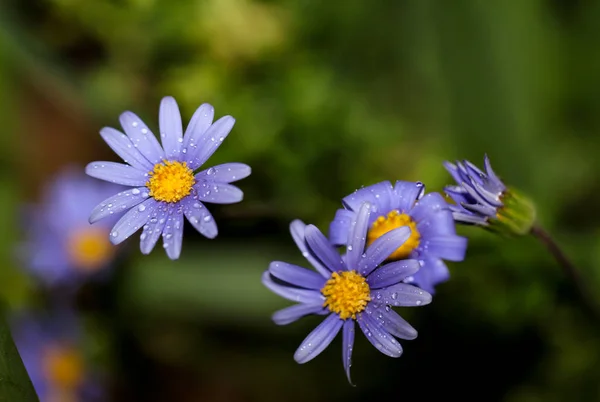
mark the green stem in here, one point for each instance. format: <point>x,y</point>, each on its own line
<point>568,267</point>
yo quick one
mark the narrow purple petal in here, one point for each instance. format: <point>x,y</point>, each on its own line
<point>152,230</point>
<point>218,193</point>
<point>491,197</point>
<point>318,339</point>
<point>323,250</point>
<point>142,138</point>
<point>381,249</point>
<point>207,143</point>
<point>169,122</point>
<point>406,193</point>
<point>200,217</point>
<point>479,209</point>
<point>453,170</point>
<point>438,223</point>
<point>379,195</point>
<point>379,337</point>
<point>340,226</point>
<point>430,203</point>
<point>199,123</point>
<point>173,233</point>
<point>296,275</point>
<point>297,230</point>
<point>452,248</point>
<point>392,322</point>
<point>134,219</point>
<point>433,271</point>
<point>473,193</point>
<point>118,203</point>
<point>225,173</point>
<point>123,147</point>
<point>347,346</point>
<point>293,313</point>
<point>117,173</point>
<point>493,178</point>
<point>358,236</point>
<point>468,219</point>
<point>401,294</point>
<point>307,296</point>
<point>392,273</point>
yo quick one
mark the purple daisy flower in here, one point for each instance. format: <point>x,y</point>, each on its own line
<point>353,287</point>
<point>164,185</point>
<point>483,199</point>
<point>433,235</point>
<point>62,248</point>
<point>51,350</point>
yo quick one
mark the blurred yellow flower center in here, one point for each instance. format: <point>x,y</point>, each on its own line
<point>395,220</point>
<point>89,248</point>
<point>63,367</point>
<point>346,293</point>
<point>170,181</point>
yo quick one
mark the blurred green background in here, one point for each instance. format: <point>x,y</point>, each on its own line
<point>328,96</point>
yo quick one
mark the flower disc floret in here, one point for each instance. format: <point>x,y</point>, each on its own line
<point>346,294</point>
<point>395,220</point>
<point>170,181</point>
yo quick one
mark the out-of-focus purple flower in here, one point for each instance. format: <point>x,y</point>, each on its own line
<point>62,248</point>
<point>433,235</point>
<point>349,288</point>
<point>50,346</point>
<point>164,186</point>
<point>483,199</point>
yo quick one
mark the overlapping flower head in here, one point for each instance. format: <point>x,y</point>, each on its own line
<point>432,238</point>
<point>164,185</point>
<point>483,199</point>
<point>354,287</point>
<point>62,248</point>
<point>50,346</point>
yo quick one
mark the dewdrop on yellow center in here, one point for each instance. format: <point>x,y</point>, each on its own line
<point>395,220</point>
<point>346,293</point>
<point>170,181</point>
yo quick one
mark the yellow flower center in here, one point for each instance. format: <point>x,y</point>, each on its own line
<point>89,248</point>
<point>346,293</point>
<point>63,367</point>
<point>392,221</point>
<point>170,181</point>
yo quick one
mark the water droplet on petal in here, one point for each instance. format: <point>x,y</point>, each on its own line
<point>141,208</point>
<point>114,233</point>
<point>135,191</point>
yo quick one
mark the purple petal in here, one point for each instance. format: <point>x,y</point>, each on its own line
<point>379,195</point>
<point>467,218</point>
<point>452,248</point>
<point>322,249</point>
<point>453,170</point>
<point>358,235</point>
<point>433,271</point>
<point>479,209</point>
<point>297,229</point>
<point>473,193</point>
<point>340,226</point>
<point>381,249</point>
<point>118,203</point>
<point>406,193</point>
<point>491,197</point>
<point>318,339</point>
<point>134,219</point>
<point>293,313</point>
<point>207,143</point>
<point>117,173</point>
<point>173,234</point>
<point>439,223</point>
<point>307,296</point>
<point>494,180</point>
<point>200,217</point>
<point>199,123</point>
<point>218,193</point>
<point>392,322</point>
<point>378,336</point>
<point>392,273</point>
<point>401,294</point>
<point>171,132</point>
<point>347,346</point>
<point>142,138</point>
<point>225,173</point>
<point>296,275</point>
<point>123,147</point>
<point>152,231</point>
<point>429,204</point>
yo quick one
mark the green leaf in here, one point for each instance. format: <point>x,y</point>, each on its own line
<point>15,385</point>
